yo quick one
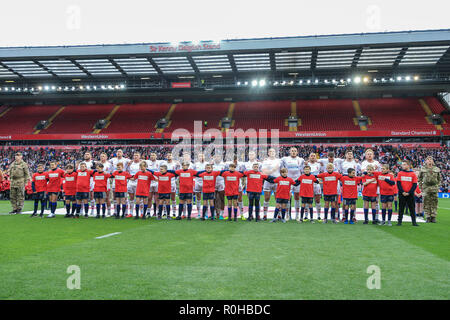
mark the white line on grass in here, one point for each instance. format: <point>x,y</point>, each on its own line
<point>108,235</point>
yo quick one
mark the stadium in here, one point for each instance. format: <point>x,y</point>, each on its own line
<point>383,93</point>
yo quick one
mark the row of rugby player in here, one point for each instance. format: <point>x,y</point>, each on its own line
<point>155,180</point>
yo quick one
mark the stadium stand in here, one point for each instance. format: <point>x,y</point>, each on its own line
<point>78,119</point>
<point>261,115</point>
<point>23,119</point>
<point>185,114</point>
<point>437,107</point>
<point>137,117</point>
<point>326,115</point>
<point>395,113</point>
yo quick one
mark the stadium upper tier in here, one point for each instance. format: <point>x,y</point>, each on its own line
<point>313,115</point>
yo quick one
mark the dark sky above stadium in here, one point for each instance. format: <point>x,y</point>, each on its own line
<point>74,22</point>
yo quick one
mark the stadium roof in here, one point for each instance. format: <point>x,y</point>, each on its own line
<point>420,51</point>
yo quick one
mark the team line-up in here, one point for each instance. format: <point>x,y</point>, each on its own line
<point>139,182</point>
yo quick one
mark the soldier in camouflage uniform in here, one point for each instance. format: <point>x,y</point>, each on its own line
<point>19,176</point>
<point>429,182</point>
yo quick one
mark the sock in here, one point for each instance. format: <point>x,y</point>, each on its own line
<point>374,214</point>
<point>211,208</point>
<point>67,208</point>
<point>333,213</point>
<point>352,214</point>
<point>97,207</point>
<point>174,206</point>
<point>42,206</point>
<point>318,207</point>
<point>189,209</point>
<point>180,209</point>
<point>257,208</point>
<point>168,210</point>
<point>383,214</point>
<point>302,212</point>
<point>160,209</point>
<point>229,212</point>
<point>74,208</point>
<point>275,214</point>
<point>145,210</point>
<point>311,213</point>
<point>103,209</point>
<point>241,207</point>
<point>36,204</point>
<point>283,213</point>
<point>265,208</point>
<point>366,214</point>
<point>154,208</point>
<point>137,210</point>
<point>92,205</point>
<point>396,205</point>
<point>326,213</point>
<point>86,208</point>
<point>53,207</point>
<point>205,208</point>
<point>118,210</point>
<point>297,208</point>
<point>250,207</point>
<point>78,208</point>
<point>124,209</point>
<point>389,214</point>
<point>235,213</point>
<point>346,214</point>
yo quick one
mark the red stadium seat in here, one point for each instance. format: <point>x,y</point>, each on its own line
<point>395,113</point>
<point>78,119</point>
<point>23,119</point>
<point>261,115</point>
<point>185,114</point>
<point>137,118</point>
<point>326,115</point>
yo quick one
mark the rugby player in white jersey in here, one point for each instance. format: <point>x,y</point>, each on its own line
<point>153,164</point>
<point>186,159</point>
<point>270,166</point>
<point>219,199</point>
<point>199,166</point>
<point>172,165</point>
<point>294,164</point>
<point>119,158</point>
<point>369,160</point>
<point>90,165</point>
<point>239,166</point>
<point>331,159</point>
<point>348,163</point>
<point>316,168</point>
<point>133,168</point>
<point>107,168</point>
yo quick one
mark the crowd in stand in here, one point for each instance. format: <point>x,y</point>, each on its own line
<point>389,154</point>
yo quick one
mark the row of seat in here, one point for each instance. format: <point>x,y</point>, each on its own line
<point>315,115</point>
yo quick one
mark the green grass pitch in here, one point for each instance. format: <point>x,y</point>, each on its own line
<point>220,259</point>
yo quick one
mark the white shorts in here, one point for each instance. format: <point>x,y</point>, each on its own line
<point>241,186</point>
<point>131,187</point>
<point>173,188</point>
<point>92,185</point>
<point>267,187</point>
<point>154,186</point>
<point>317,189</point>
<point>295,189</point>
<point>220,186</point>
<point>198,186</point>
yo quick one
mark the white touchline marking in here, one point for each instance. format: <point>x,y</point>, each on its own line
<point>108,235</point>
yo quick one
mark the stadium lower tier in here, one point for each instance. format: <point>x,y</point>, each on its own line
<point>301,118</point>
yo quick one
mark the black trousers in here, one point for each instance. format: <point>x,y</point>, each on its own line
<point>406,202</point>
